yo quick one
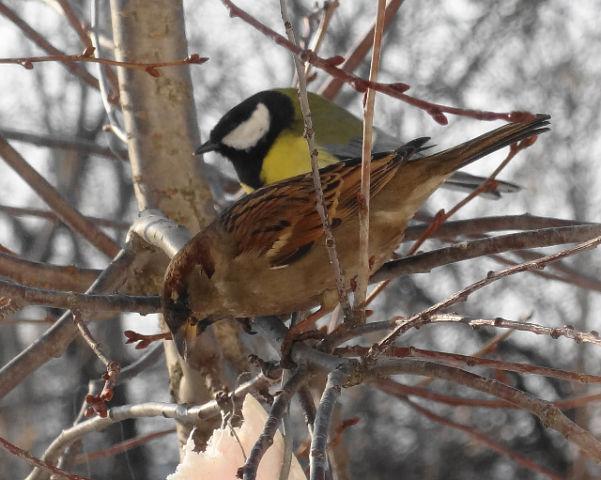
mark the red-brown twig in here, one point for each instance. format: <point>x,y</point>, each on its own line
<point>366,152</point>
<point>121,447</point>
<point>329,65</point>
<point>45,45</point>
<point>97,404</point>
<point>36,462</point>
<point>517,457</point>
<point>395,388</point>
<point>75,23</point>
<point>328,10</point>
<point>71,217</point>
<point>150,68</point>
<point>359,51</point>
<point>423,317</point>
<point>548,413</point>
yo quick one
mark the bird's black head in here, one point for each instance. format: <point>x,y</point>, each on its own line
<point>245,134</point>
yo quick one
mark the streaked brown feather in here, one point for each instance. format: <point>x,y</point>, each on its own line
<point>280,221</point>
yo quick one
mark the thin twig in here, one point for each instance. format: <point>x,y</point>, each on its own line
<point>481,225</point>
<point>517,457</point>
<point>329,8</point>
<point>45,275</point>
<point>80,301</point>
<point>466,250</point>
<point>110,101</point>
<point>58,141</point>
<point>75,23</point>
<point>59,205</point>
<point>395,388</point>
<point>88,337</point>
<point>265,440</point>
<point>36,462</point>
<point>473,361</point>
<point>318,458</point>
<point>423,317</point>
<point>436,111</point>
<point>366,152</point>
<point>549,414</point>
<point>45,45</point>
<point>50,215</point>
<point>151,68</point>
<point>358,52</point>
<point>121,447</point>
<point>309,135</point>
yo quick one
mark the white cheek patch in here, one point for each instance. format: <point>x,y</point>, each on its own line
<point>248,133</point>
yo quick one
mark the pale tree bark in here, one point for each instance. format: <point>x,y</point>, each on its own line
<point>160,123</point>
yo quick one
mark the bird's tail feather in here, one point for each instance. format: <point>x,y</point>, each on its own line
<point>472,150</point>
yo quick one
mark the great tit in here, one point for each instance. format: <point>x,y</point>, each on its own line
<point>263,138</point>
<point>266,254</point>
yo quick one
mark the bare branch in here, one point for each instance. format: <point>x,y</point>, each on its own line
<point>474,361</point>
<point>151,68</point>
<point>45,45</point>
<point>318,458</point>
<point>424,317</point>
<point>466,250</point>
<point>56,141</point>
<point>566,331</point>
<point>265,440</point>
<point>487,441</point>
<point>182,413</point>
<point>80,301</point>
<point>549,414</point>
<point>56,339</point>
<point>75,23</point>
<point>36,462</point>
<point>477,226</point>
<point>358,52</point>
<point>436,111</point>
<point>366,153</point>
<point>61,207</point>
<point>44,275</point>
<point>310,137</point>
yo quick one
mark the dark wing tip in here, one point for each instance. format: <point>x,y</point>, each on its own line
<point>412,147</point>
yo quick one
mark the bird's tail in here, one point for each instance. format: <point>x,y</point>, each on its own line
<point>457,157</point>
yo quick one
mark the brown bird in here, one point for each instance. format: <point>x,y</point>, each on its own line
<point>266,254</point>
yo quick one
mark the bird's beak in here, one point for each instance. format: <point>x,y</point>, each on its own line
<point>208,146</point>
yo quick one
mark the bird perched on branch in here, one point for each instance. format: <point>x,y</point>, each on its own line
<point>263,138</point>
<point>266,254</point>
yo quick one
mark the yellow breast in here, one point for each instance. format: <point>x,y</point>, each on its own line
<point>289,156</point>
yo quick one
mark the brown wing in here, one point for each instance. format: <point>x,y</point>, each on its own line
<point>280,221</point>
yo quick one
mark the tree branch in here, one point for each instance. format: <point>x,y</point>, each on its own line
<point>71,217</point>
